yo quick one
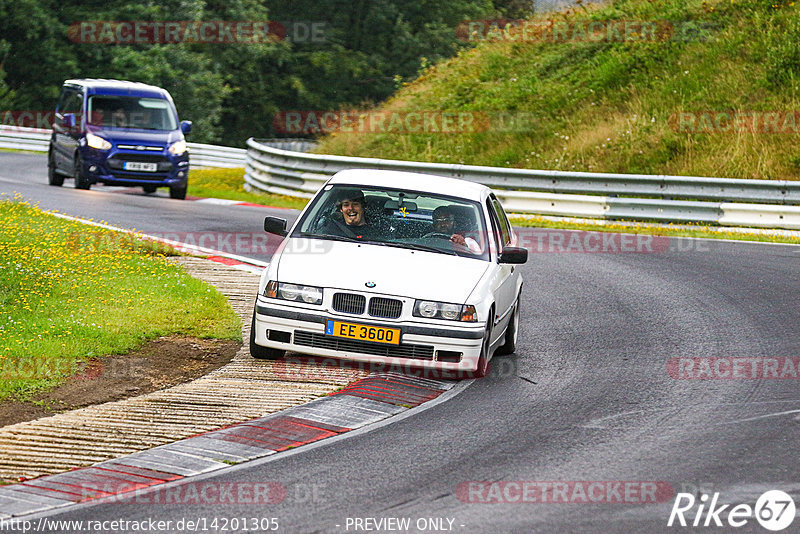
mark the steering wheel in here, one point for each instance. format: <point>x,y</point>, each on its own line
<point>438,235</point>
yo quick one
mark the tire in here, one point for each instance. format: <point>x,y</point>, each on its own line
<point>53,178</point>
<point>483,360</point>
<point>512,331</point>
<point>259,352</point>
<point>149,189</point>
<point>178,192</point>
<point>81,182</point>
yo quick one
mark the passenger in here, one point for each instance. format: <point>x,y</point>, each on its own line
<point>444,223</point>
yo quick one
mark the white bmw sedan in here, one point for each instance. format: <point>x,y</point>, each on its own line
<point>394,268</point>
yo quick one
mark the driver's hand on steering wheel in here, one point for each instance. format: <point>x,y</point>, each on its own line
<point>458,239</point>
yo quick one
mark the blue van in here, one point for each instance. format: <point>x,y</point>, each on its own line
<point>118,133</point>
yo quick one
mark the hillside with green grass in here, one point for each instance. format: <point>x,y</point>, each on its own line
<point>617,105</point>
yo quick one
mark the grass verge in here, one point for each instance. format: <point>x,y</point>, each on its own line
<point>71,293</point>
<point>229,184</point>
<point>713,92</point>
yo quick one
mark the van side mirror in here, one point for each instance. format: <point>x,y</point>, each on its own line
<point>68,120</point>
<point>186,127</point>
<point>514,255</point>
<point>277,226</point>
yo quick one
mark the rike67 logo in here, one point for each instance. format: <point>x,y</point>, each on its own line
<point>774,510</point>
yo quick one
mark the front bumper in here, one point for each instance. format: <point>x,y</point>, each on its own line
<point>302,330</point>
<point>107,167</point>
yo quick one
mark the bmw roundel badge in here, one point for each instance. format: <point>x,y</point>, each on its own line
<point>370,284</point>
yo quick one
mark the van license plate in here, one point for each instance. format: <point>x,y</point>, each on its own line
<point>362,332</point>
<point>139,166</point>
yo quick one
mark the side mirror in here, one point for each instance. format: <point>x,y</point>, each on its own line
<point>68,120</point>
<point>277,226</point>
<point>514,255</point>
<point>186,127</point>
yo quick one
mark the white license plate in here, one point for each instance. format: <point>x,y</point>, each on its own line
<point>139,166</point>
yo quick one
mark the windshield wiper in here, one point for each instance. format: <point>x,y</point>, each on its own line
<point>331,237</point>
<point>423,248</point>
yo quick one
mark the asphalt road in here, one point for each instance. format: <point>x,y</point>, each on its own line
<point>587,397</point>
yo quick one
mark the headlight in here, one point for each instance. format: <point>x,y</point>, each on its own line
<point>177,148</point>
<point>443,310</point>
<point>450,311</point>
<point>293,292</point>
<point>95,141</point>
<point>311,295</point>
<point>426,308</point>
<point>288,291</point>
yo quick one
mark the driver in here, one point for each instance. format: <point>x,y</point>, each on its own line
<point>444,222</point>
<point>354,223</point>
<point>118,118</point>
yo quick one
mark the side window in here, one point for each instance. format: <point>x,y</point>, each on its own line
<point>62,100</point>
<point>505,227</point>
<point>498,238</point>
<point>74,103</point>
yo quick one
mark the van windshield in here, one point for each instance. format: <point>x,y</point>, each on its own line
<point>131,112</point>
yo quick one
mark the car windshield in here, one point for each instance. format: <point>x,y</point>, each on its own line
<point>131,112</point>
<point>394,217</point>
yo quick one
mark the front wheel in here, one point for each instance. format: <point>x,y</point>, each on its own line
<point>483,360</point>
<point>81,182</point>
<point>53,178</point>
<point>259,352</point>
<point>178,192</point>
<point>512,332</point>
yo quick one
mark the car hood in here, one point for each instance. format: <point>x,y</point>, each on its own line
<point>393,270</point>
<point>138,137</point>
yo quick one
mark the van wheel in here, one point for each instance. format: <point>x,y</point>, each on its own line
<point>149,189</point>
<point>81,182</point>
<point>177,192</point>
<point>53,178</point>
<point>259,352</point>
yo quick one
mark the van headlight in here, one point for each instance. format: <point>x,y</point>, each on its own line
<point>178,147</point>
<point>431,309</point>
<point>95,141</point>
<point>294,292</point>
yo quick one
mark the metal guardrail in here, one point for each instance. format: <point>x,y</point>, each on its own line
<point>33,139</point>
<point>200,155</point>
<point>727,201</point>
<point>736,202</point>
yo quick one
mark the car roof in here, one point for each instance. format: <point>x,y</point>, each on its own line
<point>118,87</point>
<point>413,181</point>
